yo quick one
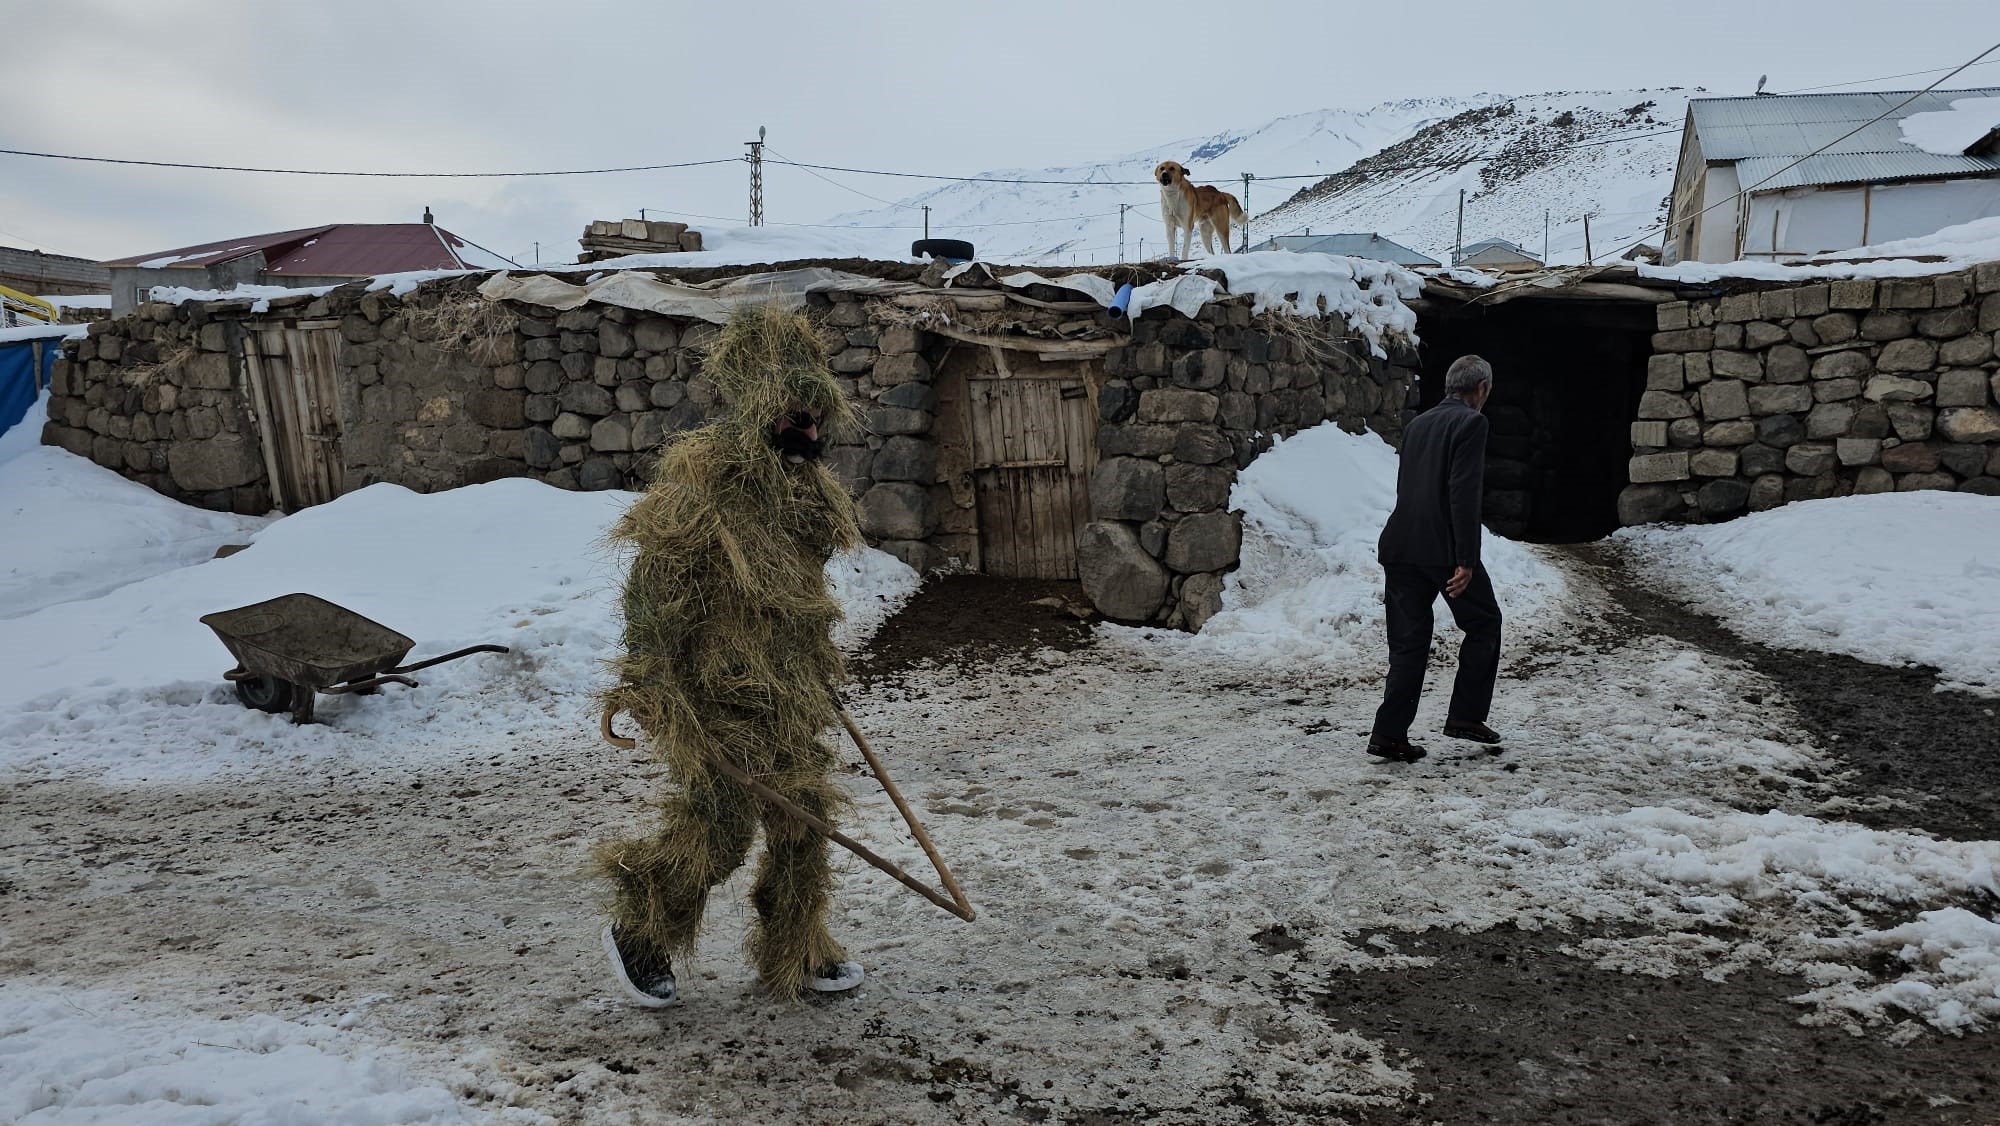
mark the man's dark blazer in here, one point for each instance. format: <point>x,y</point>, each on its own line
<point>1436,522</point>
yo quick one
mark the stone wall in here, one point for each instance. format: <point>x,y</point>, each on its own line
<point>440,389</point>
<point>1796,393</point>
<point>1184,406</point>
<point>157,396</point>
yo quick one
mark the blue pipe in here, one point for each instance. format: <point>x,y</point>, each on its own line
<point>1119,302</point>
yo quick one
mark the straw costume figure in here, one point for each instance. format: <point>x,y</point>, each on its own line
<point>728,656</point>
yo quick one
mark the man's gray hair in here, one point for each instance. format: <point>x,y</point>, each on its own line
<point>1466,373</point>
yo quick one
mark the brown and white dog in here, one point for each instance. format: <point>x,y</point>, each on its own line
<point>1184,206</point>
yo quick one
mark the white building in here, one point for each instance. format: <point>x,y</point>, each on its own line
<point>1743,191</point>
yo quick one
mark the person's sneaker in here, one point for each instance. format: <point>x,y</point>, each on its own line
<point>1395,750</point>
<point>647,980</point>
<point>835,977</point>
<point>1466,729</point>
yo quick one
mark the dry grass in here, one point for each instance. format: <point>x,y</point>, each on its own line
<point>471,326</point>
<point>728,653</point>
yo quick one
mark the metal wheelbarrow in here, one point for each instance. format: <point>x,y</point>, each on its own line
<point>290,648</point>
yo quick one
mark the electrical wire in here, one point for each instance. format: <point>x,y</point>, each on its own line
<point>1878,78</point>
<point>386,175</point>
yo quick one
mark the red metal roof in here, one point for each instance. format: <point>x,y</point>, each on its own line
<point>341,250</point>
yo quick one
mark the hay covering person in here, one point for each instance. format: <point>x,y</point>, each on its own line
<point>729,656</point>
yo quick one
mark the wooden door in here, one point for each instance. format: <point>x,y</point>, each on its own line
<point>1033,448</point>
<point>292,374</point>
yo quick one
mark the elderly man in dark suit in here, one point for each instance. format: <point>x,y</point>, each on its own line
<point>1431,546</point>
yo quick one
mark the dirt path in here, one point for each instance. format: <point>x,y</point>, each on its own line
<point>1200,903</point>
<point>1917,757</point>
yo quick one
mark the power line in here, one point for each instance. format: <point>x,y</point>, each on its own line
<point>1880,78</point>
<point>782,158</point>
<point>1452,163</point>
<point>386,175</point>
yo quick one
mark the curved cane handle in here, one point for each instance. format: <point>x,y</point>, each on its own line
<point>612,737</point>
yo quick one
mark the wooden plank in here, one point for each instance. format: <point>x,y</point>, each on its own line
<point>284,418</point>
<point>995,523</point>
<point>1051,508</point>
<point>253,369</point>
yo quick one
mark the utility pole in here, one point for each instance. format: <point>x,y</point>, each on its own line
<point>1545,236</point>
<point>1589,259</point>
<point>757,178</point>
<point>1247,177</point>
<point>927,221</point>
<point>1122,208</point>
<point>538,254</point>
<point>1458,245</point>
<point>1142,248</point>
<point>642,214</point>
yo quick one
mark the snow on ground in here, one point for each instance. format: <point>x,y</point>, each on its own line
<point>1893,578</point>
<point>76,530</point>
<point>129,682</point>
<point>1951,131</point>
<point>1309,588</point>
<point>95,1057</point>
<point>1127,818</point>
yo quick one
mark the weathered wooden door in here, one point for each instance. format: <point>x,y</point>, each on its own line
<point>292,374</point>
<point>1033,448</point>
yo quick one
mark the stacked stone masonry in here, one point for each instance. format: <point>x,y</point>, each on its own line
<point>1858,386</point>
<point>583,399</point>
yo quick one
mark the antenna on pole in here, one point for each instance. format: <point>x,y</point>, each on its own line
<point>1247,177</point>
<point>1458,244</point>
<point>757,178</point>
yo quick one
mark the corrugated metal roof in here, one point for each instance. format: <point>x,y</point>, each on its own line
<point>222,250</point>
<point>1767,133</point>
<point>343,250</point>
<point>1856,168</point>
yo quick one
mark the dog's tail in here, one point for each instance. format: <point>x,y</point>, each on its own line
<point>1236,214</point>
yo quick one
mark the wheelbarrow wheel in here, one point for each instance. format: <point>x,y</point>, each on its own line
<point>266,693</point>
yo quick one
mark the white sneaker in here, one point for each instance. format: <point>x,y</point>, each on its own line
<point>644,982</point>
<point>838,977</point>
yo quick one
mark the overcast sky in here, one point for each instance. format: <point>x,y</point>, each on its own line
<point>479,85</point>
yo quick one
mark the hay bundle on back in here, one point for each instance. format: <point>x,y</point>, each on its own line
<point>729,651</point>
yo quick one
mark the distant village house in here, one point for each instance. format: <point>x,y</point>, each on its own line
<point>1752,182</point>
<point>1350,245</point>
<point>1497,254</point>
<point>313,256</point>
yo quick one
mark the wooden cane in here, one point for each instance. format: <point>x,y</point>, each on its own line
<point>957,904</point>
<point>916,827</point>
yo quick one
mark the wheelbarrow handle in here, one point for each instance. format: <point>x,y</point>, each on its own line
<point>466,652</point>
<point>371,682</point>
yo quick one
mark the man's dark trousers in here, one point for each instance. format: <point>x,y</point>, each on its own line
<point>1409,594</point>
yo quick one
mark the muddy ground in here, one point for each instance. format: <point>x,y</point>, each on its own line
<point>1151,947</point>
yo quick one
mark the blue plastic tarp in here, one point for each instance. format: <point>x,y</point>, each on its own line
<point>24,371</point>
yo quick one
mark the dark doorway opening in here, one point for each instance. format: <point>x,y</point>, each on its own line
<point>1567,376</point>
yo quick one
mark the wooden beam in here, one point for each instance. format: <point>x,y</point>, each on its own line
<point>1047,349</point>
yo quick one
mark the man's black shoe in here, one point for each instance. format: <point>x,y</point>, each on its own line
<point>1395,750</point>
<point>1465,729</point>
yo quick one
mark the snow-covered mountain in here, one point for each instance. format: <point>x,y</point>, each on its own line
<point>1373,170</point>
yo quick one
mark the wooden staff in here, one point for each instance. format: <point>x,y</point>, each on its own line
<point>957,904</point>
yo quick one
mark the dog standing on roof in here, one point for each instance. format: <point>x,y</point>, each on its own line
<point>1184,206</point>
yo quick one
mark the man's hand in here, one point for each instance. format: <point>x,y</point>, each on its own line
<point>1461,577</point>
